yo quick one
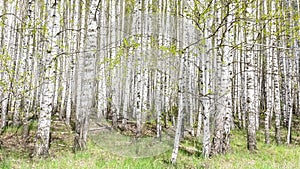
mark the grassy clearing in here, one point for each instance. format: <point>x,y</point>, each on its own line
<point>266,157</point>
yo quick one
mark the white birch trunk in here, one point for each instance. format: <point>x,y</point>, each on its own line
<point>43,133</point>
<point>181,112</point>
<point>206,108</point>
<point>251,102</point>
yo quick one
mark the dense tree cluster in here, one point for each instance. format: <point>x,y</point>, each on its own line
<point>202,66</point>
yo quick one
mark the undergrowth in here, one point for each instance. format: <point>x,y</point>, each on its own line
<point>270,156</point>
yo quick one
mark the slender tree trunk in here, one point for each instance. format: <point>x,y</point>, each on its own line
<point>206,110</point>
<point>87,73</point>
<point>43,133</point>
<point>277,111</point>
<point>180,111</point>
<point>250,74</point>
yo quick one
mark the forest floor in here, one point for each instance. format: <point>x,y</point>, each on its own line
<point>15,152</point>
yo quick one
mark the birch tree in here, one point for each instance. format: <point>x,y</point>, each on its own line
<point>4,90</point>
<point>43,133</point>
<point>87,73</point>
<point>180,111</point>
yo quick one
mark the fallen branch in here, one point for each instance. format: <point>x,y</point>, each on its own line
<point>100,128</point>
<point>190,150</point>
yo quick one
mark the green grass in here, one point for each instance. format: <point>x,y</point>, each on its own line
<point>132,147</point>
<point>266,157</point>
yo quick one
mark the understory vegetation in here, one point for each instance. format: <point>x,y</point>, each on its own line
<point>16,153</point>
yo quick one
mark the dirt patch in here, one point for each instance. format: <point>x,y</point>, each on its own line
<point>13,142</point>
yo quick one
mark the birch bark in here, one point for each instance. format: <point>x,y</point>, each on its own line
<point>88,77</point>
<point>44,123</point>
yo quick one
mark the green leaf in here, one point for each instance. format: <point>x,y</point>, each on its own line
<point>164,48</point>
<point>125,42</point>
